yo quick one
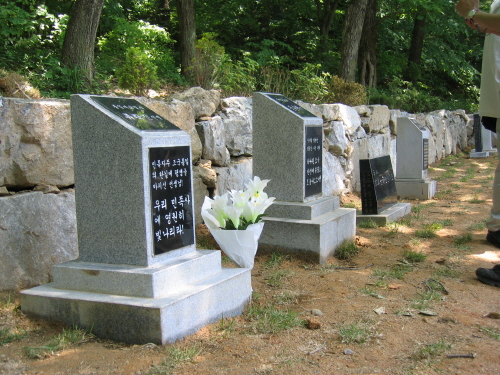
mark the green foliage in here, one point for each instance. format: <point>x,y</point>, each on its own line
<point>414,256</point>
<point>152,40</point>
<point>208,61</point>
<point>356,333</point>
<point>428,352</point>
<point>64,340</point>
<point>347,250</point>
<point>269,319</point>
<point>237,78</point>
<point>349,93</point>
<point>138,74</point>
<point>415,98</point>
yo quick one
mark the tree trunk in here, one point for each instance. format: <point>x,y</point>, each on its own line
<point>325,13</point>
<point>351,37</point>
<point>412,72</point>
<point>368,47</point>
<point>79,41</point>
<point>187,36</point>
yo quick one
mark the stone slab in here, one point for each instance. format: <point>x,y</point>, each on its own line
<point>320,236</point>
<point>416,189</point>
<point>482,154</point>
<point>304,210</point>
<point>144,320</point>
<point>393,213</point>
<point>147,282</point>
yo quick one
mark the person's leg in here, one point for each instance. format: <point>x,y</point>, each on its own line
<point>493,223</point>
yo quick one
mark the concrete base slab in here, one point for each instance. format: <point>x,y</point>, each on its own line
<point>483,154</point>
<point>160,303</point>
<point>321,235</point>
<point>393,213</point>
<point>425,189</point>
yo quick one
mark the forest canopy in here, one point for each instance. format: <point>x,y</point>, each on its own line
<point>414,55</point>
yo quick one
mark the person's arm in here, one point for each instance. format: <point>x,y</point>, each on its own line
<point>487,22</point>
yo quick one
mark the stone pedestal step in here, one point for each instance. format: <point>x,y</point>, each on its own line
<point>322,235</point>
<point>143,320</point>
<point>147,282</point>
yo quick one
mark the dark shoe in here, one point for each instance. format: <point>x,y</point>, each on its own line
<point>490,277</point>
<point>494,238</point>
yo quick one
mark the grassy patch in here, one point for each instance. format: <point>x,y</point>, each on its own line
<point>275,260</point>
<point>491,332</point>
<point>446,272</point>
<point>6,336</point>
<point>414,256</point>
<point>477,226</point>
<point>269,319</point>
<point>425,233</point>
<point>176,357</point>
<point>447,223</point>
<point>430,352</point>
<point>396,271</point>
<point>347,250</point>
<point>476,200</point>
<point>429,230</point>
<point>277,277</point>
<point>463,239</point>
<point>68,338</point>
<point>443,194</point>
<point>426,298</point>
<point>356,333</point>
<point>370,223</point>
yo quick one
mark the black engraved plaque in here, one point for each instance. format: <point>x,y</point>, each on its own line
<point>287,103</point>
<point>134,113</point>
<point>313,171</point>
<point>478,135</point>
<point>378,188</point>
<point>425,153</point>
<point>171,198</point>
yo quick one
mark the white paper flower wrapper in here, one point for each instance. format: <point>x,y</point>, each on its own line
<point>239,245</point>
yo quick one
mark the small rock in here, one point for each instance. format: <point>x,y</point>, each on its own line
<point>3,191</point>
<point>427,312</point>
<point>316,312</point>
<point>380,310</point>
<point>348,352</point>
<point>393,286</point>
<point>492,315</point>
<point>312,323</point>
<point>47,189</point>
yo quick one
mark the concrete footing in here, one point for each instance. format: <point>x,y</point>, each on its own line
<point>158,304</point>
<point>392,213</point>
<point>317,227</point>
<point>415,189</point>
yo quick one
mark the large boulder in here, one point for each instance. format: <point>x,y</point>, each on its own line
<point>213,139</point>
<point>236,116</point>
<point>37,231</point>
<point>35,143</point>
<point>235,176</point>
<point>204,102</point>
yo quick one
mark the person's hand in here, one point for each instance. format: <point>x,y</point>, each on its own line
<point>463,7</point>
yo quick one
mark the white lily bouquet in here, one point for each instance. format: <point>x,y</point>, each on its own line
<point>235,220</point>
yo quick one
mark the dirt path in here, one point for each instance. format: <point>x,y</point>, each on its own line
<point>394,313</point>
